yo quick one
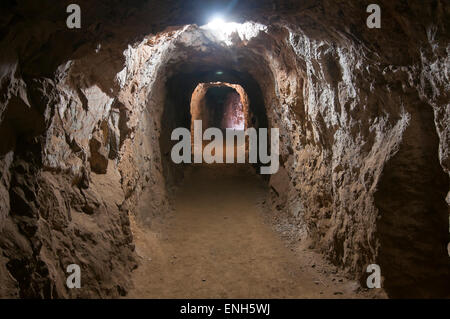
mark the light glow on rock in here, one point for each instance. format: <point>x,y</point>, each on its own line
<point>224,31</point>
<point>217,23</point>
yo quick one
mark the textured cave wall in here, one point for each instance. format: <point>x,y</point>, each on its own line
<point>363,116</point>
<point>366,167</point>
<point>198,106</point>
<point>363,163</point>
<point>64,193</point>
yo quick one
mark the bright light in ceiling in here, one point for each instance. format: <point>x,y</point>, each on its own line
<point>222,30</point>
<point>216,23</point>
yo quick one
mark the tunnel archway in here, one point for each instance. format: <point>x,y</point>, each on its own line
<point>228,108</point>
<point>181,87</point>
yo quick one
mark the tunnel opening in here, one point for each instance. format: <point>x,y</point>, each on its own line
<point>220,105</point>
<point>223,106</point>
<point>228,99</point>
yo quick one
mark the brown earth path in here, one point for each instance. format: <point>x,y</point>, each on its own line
<point>217,245</point>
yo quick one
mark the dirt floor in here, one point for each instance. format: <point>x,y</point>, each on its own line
<point>217,244</point>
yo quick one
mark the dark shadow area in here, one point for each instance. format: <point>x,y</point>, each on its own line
<point>414,217</point>
<point>216,103</point>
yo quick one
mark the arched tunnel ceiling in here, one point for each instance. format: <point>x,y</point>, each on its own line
<point>201,58</point>
<point>119,23</point>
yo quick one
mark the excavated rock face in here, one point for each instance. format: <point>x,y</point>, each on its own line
<point>86,117</point>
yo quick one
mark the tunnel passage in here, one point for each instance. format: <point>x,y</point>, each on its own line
<point>233,116</point>
<point>221,105</point>
<point>114,94</point>
<point>224,106</point>
<point>187,91</point>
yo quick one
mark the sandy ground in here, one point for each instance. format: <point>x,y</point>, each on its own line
<point>218,245</point>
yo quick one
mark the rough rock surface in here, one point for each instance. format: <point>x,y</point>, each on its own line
<point>85,117</point>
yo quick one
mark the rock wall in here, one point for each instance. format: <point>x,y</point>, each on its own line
<point>362,157</point>
<point>64,202</point>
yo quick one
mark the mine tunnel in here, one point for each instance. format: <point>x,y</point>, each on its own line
<point>354,116</point>
<point>221,107</point>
